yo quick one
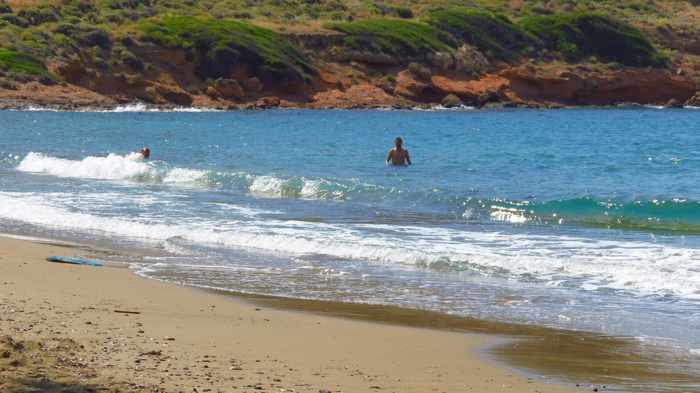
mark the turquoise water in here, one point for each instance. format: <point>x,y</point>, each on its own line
<point>584,219</point>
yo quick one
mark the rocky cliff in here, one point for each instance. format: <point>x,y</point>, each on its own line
<point>450,57</point>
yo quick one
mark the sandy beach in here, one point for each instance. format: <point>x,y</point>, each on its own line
<point>61,332</point>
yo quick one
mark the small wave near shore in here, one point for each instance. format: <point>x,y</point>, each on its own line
<point>129,167</point>
<point>675,215</point>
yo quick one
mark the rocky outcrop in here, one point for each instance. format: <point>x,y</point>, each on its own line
<point>380,59</point>
<point>469,60</point>
<point>466,59</point>
<point>408,85</point>
<point>358,96</point>
<point>694,100</point>
<point>473,91</point>
<point>169,94</point>
<point>252,85</point>
<point>229,89</point>
<point>579,87</point>
<point>266,103</point>
<point>451,101</point>
<point>419,71</point>
<point>72,71</point>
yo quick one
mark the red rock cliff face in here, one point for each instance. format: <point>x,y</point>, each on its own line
<point>644,86</point>
<point>172,81</point>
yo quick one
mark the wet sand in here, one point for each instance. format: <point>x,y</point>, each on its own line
<point>61,331</point>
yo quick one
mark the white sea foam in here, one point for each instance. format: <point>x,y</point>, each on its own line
<point>636,267</point>
<point>275,187</point>
<point>511,215</point>
<point>135,107</point>
<point>112,167</point>
<point>132,167</point>
<point>141,107</point>
<point>267,186</point>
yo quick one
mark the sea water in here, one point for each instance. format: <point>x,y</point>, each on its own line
<point>582,219</point>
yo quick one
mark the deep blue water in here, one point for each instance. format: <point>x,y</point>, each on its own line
<point>586,219</point>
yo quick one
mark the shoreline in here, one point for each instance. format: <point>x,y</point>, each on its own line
<point>66,331</point>
<point>136,106</point>
<point>562,359</point>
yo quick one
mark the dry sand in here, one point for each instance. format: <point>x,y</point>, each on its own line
<point>60,333</point>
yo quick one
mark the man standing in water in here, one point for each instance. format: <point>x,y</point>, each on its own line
<point>398,155</point>
<point>145,153</point>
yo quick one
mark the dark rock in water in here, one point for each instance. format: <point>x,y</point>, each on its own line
<point>674,103</point>
<point>268,102</point>
<point>629,105</point>
<point>452,101</point>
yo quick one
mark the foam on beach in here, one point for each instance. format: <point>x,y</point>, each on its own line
<point>644,269</point>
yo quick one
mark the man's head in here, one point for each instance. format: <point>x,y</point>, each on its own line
<point>398,142</point>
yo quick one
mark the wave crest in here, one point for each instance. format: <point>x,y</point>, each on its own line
<point>671,215</point>
<point>130,167</point>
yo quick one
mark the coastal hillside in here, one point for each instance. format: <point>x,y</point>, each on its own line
<point>344,54</point>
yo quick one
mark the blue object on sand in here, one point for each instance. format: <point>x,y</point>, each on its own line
<point>74,261</point>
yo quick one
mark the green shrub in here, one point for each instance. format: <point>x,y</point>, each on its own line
<point>493,34</point>
<point>130,4</point>
<point>14,20</point>
<point>403,12</point>
<point>37,16</point>
<point>394,37</point>
<point>95,37</point>
<point>219,44</point>
<point>582,35</point>
<point>20,63</point>
<point>77,8</point>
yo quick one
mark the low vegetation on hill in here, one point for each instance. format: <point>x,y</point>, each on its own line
<point>219,45</point>
<point>581,35</point>
<point>404,39</point>
<point>12,61</point>
<point>493,34</point>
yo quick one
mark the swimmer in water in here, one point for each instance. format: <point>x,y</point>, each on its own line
<point>145,153</point>
<point>398,155</point>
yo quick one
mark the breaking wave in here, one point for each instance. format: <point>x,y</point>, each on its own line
<point>676,215</point>
<point>130,167</point>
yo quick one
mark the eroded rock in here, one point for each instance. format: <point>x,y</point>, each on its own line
<point>229,88</point>
<point>694,100</point>
<point>452,101</point>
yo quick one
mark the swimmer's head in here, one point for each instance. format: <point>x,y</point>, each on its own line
<point>398,141</point>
